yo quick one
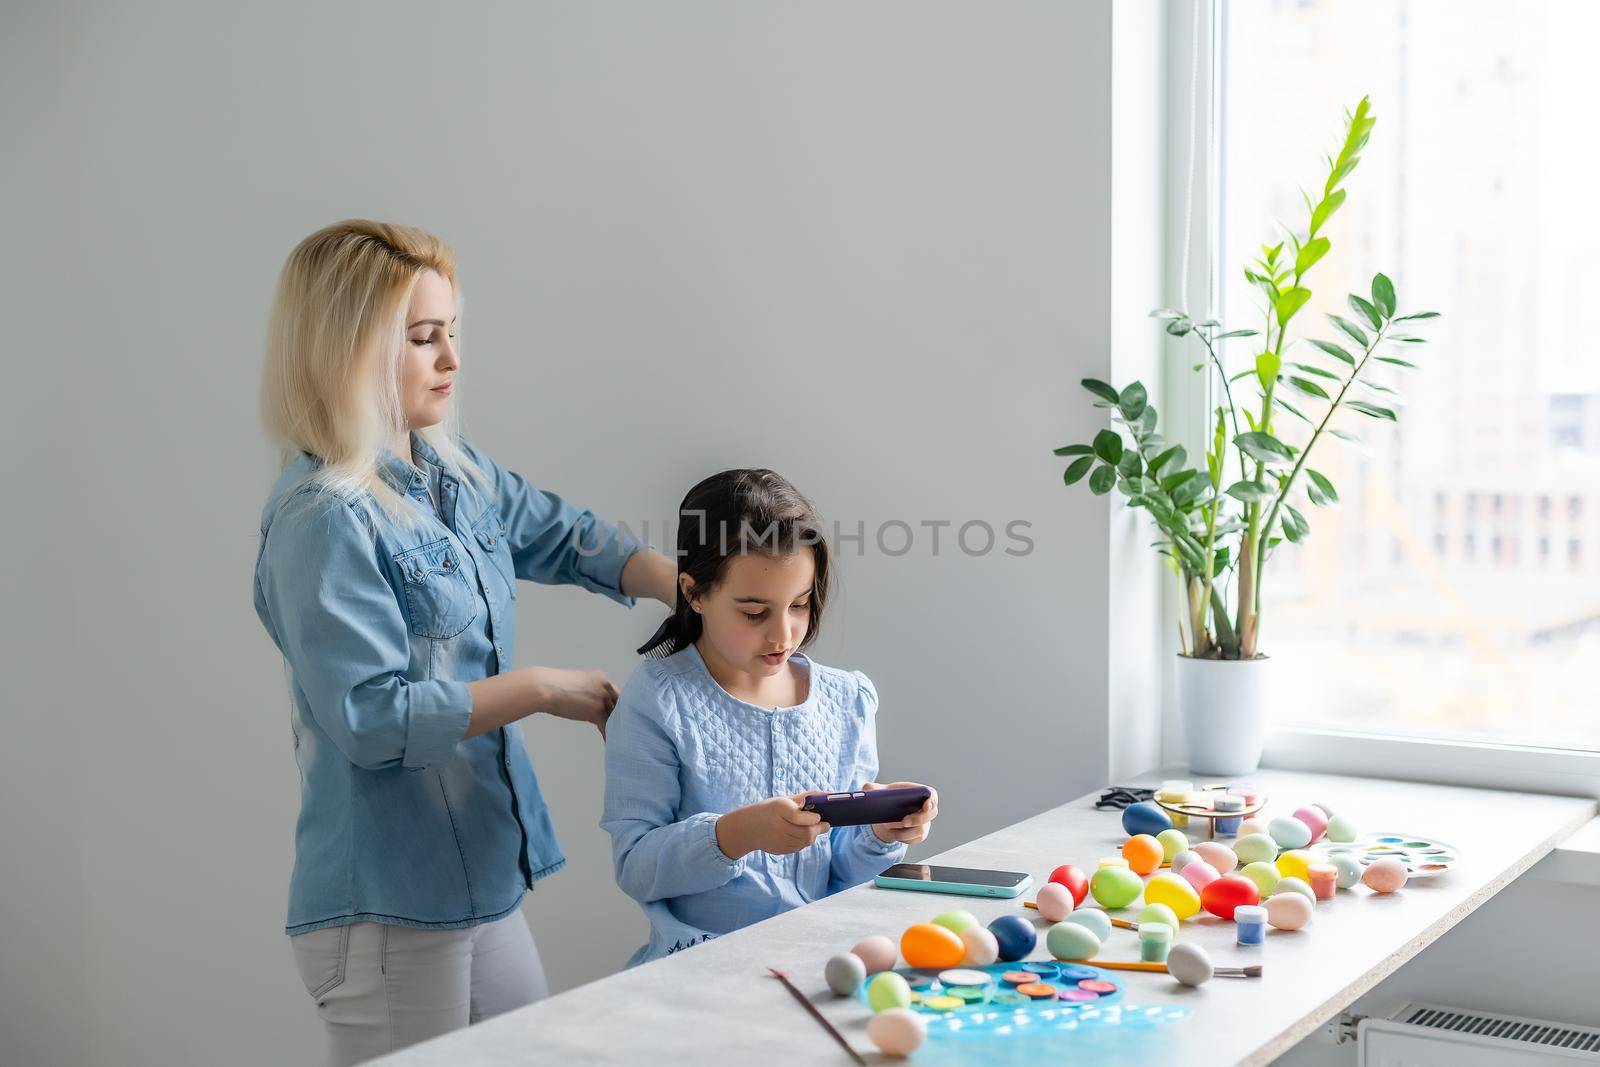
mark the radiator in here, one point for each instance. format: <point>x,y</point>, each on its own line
<point>1426,1035</point>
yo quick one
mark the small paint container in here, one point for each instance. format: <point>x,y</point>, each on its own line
<point>1229,802</point>
<point>1155,939</point>
<point>1174,796</point>
<point>1177,785</point>
<point>1248,792</point>
<point>1112,861</point>
<point>1324,878</point>
<point>1251,921</point>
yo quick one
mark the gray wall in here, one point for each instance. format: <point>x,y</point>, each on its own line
<point>865,245</point>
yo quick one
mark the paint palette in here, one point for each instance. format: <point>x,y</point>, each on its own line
<point>1424,857</point>
<point>1034,993</point>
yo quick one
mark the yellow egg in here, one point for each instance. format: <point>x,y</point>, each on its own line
<point>1296,863</point>
<point>1173,891</point>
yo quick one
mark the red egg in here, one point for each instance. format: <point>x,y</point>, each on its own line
<point>1076,881</point>
<point>1314,818</point>
<point>1220,897</point>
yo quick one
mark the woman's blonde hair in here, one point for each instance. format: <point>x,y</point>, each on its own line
<point>330,385</point>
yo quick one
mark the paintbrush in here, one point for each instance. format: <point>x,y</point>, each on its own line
<point>1123,923</point>
<point>1252,971</point>
<point>817,1015</point>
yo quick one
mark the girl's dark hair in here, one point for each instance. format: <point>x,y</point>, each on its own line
<point>730,514</point>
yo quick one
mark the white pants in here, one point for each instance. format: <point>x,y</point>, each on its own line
<point>379,988</point>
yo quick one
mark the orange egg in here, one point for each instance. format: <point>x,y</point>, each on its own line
<point>1143,853</point>
<point>931,946</point>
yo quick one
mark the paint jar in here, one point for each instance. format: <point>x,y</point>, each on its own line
<point>1248,792</point>
<point>1324,879</point>
<point>1251,921</point>
<point>1154,940</point>
<point>1112,861</point>
<point>1175,793</point>
<point>1229,802</point>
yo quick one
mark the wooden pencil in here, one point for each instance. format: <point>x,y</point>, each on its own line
<point>817,1015</point>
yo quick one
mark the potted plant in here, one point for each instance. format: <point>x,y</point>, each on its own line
<point>1221,521</point>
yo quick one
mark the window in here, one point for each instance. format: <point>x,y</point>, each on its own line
<point>1456,591</point>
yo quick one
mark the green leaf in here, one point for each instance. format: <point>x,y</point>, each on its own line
<point>1309,387</point>
<point>1290,408</point>
<point>1335,351</point>
<point>1314,250</point>
<point>1320,490</point>
<point>1418,315</point>
<point>1295,527</point>
<point>1329,205</point>
<point>1396,361</point>
<point>1172,482</point>
<point>1101,481</point>
<point>1077,469</point>
<point>1130,464</point>
<point>1146,422</point>
<point>1188,491</point>
<point>1179,327</point>
<point>1264,448</point>
<point>1291,301</point>
<point>1267,364</point>
<point>1074,450</point>
<point>1108,445</point>
<point>1235,333</point>
<point>1371,409</point>
<point>1383,294</point>
<point>1174,455</point>
<point>1349,329</point>
<point>1166,313</point>
<point>1133,400</point>
<point>1367,311</point>
<point>1101,390</point>
<point>1249,492</point>
<point>1320,372</point>
<point>1339,174</point>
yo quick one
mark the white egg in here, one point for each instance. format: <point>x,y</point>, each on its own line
<point>897,1031</point>
<point>1189,964</point>
<point>982,948</point>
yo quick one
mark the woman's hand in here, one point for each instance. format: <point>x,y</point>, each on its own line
<point>913,829</point>
<point>583,696</point>
<point>777,825</point>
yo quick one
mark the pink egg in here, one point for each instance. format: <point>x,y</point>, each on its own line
<point>1385,876</point>
<point>1218,855</point>
<point>1253,826</point>
<point>1288,911</point>
<point>1055,901</point>
<point>1315,818</point>
<point>1200,874</point>
<point>877,952</point>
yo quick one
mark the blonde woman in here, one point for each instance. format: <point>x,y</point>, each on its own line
<point>390,552</point>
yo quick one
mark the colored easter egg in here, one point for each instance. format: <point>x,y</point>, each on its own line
<point>1115,887</point>
<point>1385,875</point>
<point>931,946</point>
<point>1263,874</point>
<point>956,920</point>
<point>888,990</point>
<point>1252,825</point>
<point>1342,828</point>
<point>1218,855</point>
<point>1071,941</point>
<point>1296,863</point>
<point>1200,874</point>
<point>1143,853</point>
<point>877,952</point>
<point>1015,935</point>
<point>1176,893</point>
<point>1094,920</point>
<point>1159,913</point>
<point>1349,869</point>
<point>1054,901</point>
<point>1189,964</point>
<point>845,973</point>
<point>1223,895</point>
<point>1075,880</point>
<point>1314,819</point>
<point>1289,832</point>
<point>1288,911</point>
<point>1145,817</point>
<point>1291,884</point>
<point>897,1031</point>
<point>981,947</point>
<point>1184,858</point>
<point>1252,848</point>
<point>1172,843</point>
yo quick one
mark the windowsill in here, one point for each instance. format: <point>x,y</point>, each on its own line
<point>1454,762</point>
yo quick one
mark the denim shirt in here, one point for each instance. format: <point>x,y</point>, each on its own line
<point>681,750</point>
<point>381,627</point>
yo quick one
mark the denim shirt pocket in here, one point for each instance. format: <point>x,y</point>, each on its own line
<point>438,599</point>
<point>490,531</point>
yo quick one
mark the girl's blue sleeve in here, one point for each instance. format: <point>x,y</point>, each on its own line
<point>858,853</point>
<point>330,609</point>
<point>553,542</point>
<point>657,854</point>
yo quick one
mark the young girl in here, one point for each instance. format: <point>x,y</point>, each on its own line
<point>714,744</point>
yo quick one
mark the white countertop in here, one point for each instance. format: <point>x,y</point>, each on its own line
<point>715,1003</point>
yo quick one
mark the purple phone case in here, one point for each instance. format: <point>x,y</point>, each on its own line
<point>864,807</point>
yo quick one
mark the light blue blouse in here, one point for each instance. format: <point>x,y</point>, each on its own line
<point>680,751</point>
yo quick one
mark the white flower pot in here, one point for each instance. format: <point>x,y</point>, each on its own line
<point>1223,703</point>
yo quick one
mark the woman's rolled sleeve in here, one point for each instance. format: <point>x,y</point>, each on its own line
<point>335,618</point>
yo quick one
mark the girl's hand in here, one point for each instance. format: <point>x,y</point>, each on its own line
<point>913,829</point>
<point>583,696</point>
<point>777,826</point>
